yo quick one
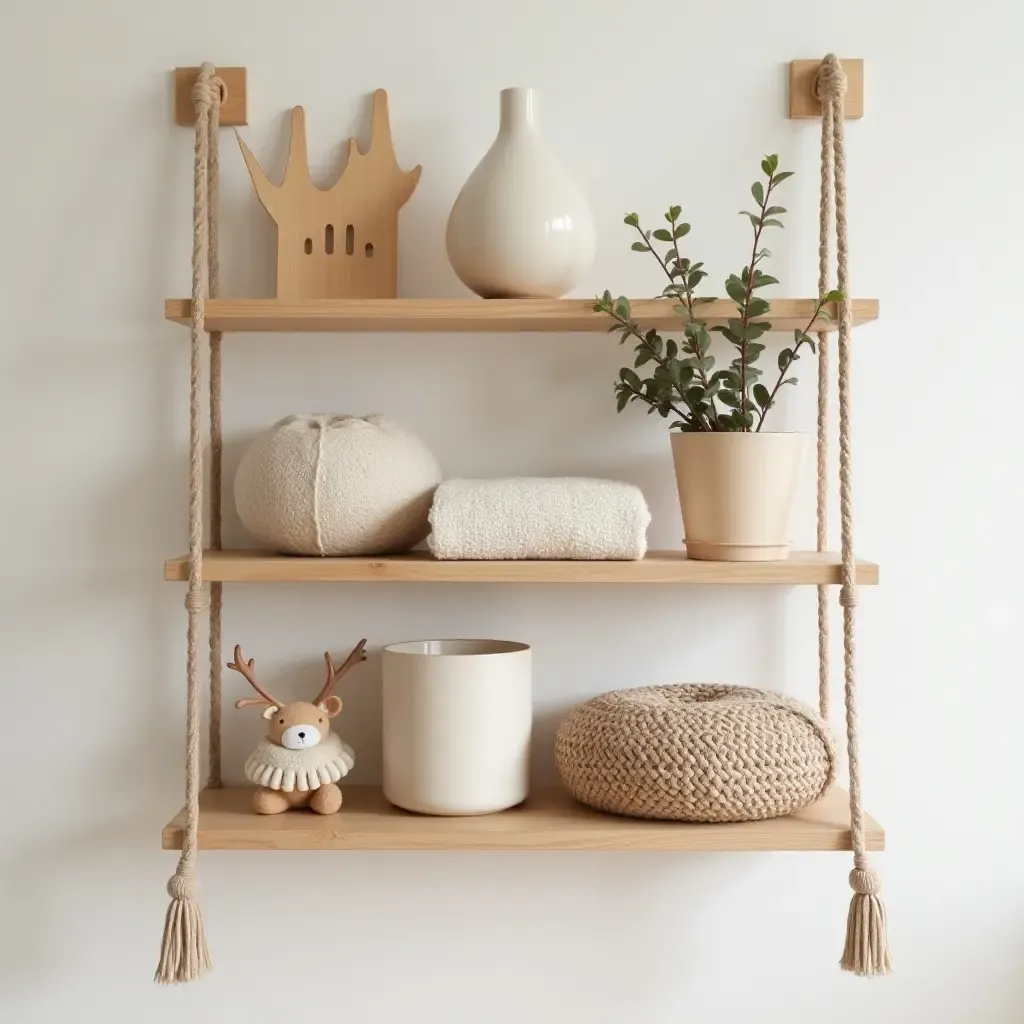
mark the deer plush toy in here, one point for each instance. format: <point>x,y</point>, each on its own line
<point>300,761</point>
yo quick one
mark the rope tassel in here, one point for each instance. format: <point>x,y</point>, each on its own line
<point>183,952</point>
<point>867,945</point>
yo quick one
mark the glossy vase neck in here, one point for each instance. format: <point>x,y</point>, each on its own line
<point>518,111</point>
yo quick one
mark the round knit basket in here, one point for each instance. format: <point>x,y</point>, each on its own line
<point>696,753</point>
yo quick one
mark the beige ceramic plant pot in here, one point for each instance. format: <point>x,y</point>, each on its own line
<point>736,493</point>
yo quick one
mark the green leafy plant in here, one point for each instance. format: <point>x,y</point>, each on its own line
<point>683,380</point>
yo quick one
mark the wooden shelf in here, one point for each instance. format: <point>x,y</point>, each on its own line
<point>549,820</point>
<point>478,315</point>
<point>801,568</point>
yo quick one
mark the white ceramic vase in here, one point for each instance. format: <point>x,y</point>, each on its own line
<point>520,228</point>
<point>457,719</point>
<point>736,493</point>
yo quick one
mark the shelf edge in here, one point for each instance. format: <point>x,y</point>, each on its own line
<point>266,567</point>
<point>481,316</point>
<point>554,822</point>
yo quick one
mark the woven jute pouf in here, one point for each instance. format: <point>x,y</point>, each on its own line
<point>695,753</point>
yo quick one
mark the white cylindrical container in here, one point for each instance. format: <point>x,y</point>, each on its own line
<point>457,721</point>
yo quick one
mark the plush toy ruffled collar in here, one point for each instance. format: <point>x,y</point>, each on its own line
<point>275,767</point>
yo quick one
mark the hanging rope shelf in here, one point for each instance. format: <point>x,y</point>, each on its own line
<point>817,89</point>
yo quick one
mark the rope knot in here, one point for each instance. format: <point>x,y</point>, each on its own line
<point>208,91</point>
<point>183,887</point>
<point>197,601</point>
<point>865,881</point>
<point>848,597</point>
<point>830,82</point>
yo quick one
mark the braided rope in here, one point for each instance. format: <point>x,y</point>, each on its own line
<point>214,779</point>
<point>183,954</point>
<point>824,218</point>
<point>867,949</point>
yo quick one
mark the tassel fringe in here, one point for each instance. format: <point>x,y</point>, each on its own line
<point>183,952</point>
<point>867,942</point>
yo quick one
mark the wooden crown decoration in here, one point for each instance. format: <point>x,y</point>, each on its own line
<point>339,242</point>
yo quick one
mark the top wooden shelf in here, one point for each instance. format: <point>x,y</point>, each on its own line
<point>477,315</point>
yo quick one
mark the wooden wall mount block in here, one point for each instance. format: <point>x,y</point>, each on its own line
<point>803,102</point>
<point>339,242</point>
<point>234,109</point>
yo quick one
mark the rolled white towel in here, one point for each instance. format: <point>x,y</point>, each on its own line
<point>536,517</point>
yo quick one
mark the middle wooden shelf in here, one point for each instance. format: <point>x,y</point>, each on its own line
<point>808,568</point>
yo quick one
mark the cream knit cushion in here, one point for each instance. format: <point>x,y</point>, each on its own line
<point>696,753</point>
<point>337,485</point>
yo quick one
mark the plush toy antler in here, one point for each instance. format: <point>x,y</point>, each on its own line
<point>248,669</point>
<point>358,654</point>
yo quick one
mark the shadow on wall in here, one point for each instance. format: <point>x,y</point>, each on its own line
<point>581,647</point>
<point>116,889</point>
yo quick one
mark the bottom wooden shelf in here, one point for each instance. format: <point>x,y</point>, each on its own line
<point>549,820</point>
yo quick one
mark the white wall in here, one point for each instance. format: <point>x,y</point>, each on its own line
<point>648,103</point>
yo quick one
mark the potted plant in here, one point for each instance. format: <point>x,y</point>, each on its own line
<point>736,480</point>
